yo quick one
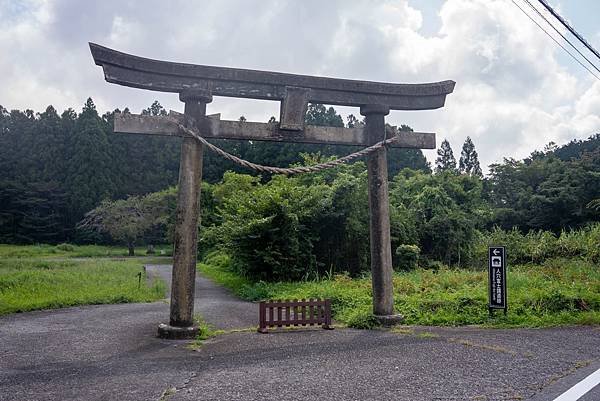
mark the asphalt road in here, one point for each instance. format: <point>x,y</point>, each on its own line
<point>111,353</point>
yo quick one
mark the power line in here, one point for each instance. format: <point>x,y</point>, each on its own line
<point>562,36</point>
<point>556,41</point>
<point>569,27</point>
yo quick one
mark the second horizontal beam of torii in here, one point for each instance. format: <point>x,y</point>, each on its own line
<point>212,127</point>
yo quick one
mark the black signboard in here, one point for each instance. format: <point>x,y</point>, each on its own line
<point>497,277</point>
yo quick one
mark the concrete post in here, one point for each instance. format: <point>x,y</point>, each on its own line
<point>181,323</point>
<point>381,252</point>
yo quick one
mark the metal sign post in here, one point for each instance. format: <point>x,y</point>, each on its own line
<point>497,278</point>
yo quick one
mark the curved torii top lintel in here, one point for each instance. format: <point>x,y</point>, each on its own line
<point>125,69</point>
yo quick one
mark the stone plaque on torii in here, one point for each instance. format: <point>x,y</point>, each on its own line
<point>196,85</point>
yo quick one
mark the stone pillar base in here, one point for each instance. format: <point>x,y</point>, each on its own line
<point>389,320</point>
<point>177,333</point>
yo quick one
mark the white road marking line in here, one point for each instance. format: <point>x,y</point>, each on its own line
<point>578,390</point>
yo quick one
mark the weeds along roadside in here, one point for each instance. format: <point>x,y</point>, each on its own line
<point>559,291</point>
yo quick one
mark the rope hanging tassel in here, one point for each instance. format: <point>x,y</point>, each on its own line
<point>290,170</point>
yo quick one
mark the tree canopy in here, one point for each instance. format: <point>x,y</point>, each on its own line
<point>57,167</point>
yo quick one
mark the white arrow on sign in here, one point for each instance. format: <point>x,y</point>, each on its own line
<point>495,251</point>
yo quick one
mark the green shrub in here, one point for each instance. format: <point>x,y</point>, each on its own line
<point>361,319</point>
<point>592,243</point>
<point>218,259</point>
<point>584,242</point>
<point>408,256</point>
<point>272,230</point>
<point>571,243</point>
<point>431,264</point>
<point>255,292</point>
<point>164,250</point>
<point>515,242</point>
<point>540,245</point>
<point>65,247</point>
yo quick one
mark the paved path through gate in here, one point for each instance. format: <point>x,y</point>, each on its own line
<point>214,303</point>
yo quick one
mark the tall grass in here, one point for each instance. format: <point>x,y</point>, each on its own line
<point>539,246</point>
<point>556,292</point>
<point>30,284</point>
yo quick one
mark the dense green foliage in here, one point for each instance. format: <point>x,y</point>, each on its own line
<point>442,213</point>
<point>545,192</point>
<point>33,283</point>
<point>307,226</point>
<point>282,228</point>
<point>289,228</point>
<point>407,256</point>
<point>539,295</point>
<point>540,246</point>
<point>57,167</point>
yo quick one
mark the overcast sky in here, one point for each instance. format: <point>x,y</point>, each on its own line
<point>516,90</point>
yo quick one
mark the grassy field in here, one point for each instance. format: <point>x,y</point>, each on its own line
<point>559,292</point>
<point>75,251</point>
<point>35,277</point>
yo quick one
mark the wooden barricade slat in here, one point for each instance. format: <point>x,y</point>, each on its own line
<point>294,313</point>
<point>303,313</point>
<point>279,316</point>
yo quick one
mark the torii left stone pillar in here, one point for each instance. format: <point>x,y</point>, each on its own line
<point>181,321</point>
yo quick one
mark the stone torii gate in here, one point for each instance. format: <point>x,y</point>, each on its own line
<point>196,84</point>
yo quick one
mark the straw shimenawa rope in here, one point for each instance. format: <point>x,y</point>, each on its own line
<point>290,170</point>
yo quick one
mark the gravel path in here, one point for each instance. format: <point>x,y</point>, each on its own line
<point>110,352</point>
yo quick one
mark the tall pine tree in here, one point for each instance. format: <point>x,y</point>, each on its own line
<point>445,160</point>
<point>469,162</point>
<point>90,164</point>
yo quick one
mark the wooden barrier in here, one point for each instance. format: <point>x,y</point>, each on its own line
<point>294,313</point>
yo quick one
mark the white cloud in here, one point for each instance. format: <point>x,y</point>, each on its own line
<point>512,94</point>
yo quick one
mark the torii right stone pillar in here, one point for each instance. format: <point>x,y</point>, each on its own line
<point>379,211</point>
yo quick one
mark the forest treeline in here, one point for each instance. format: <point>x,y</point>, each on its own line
<point>288,228</point>
<point>56,168</point>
